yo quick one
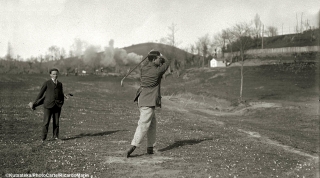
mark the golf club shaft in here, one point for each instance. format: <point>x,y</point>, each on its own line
<point>134,68</point>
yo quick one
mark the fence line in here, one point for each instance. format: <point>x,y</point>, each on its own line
<point>279,50</point>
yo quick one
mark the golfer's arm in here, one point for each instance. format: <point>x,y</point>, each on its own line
<point>165,65</point>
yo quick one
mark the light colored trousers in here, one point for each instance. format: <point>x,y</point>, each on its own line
<point>147,125</point>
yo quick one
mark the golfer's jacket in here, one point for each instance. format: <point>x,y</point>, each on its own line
<point>149,92</point>
<point>50,94</point>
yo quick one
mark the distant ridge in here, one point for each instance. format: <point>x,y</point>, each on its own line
<point>167,50</point>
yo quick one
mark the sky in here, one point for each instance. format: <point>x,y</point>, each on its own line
<point>32,26</point>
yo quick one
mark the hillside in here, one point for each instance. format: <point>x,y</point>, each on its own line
<point>183,57</point>
<point>144,48</point>
<point>307,38</point>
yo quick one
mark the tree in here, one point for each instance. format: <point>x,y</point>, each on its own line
<point>272,31</point>
<point>9,55</point>
<point>203,46</point>
<point>192,51</point>
<point>171,37</point>
<point>243,33</point>
<point>171,40</point>
<point>63,53</point>
<point>47,57</point>
<point>257,23</point>
<point>78,47</point>
<point>54,52</point>
<point>231,38</point>
<point>71,53</point>
<point>220,40</point>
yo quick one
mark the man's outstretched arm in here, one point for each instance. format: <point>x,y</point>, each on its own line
<point>165,64</point>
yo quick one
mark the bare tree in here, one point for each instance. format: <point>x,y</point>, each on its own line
<point>54,51</point>
<point>47,57</point>
<point>9,55</point>
<point>171,37</point>
<point>230,39</point>
<point>177,63</point>
<point>40,59</point>
<point>78,47</point>
<point>171,40</point>
<point>257,30</point>
<point>272,31</point>
<point>203,46</point>
<point>220,40</point>
<point>197,50</point>
<point>243,33</point>
<point>257,24</point>
<point>193,51</point>
<point>71,54</point>
<point>63,53</point>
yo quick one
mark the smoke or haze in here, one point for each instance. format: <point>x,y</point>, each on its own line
<point>108,56</point>
<point>115,56</point>
<point>90,55</point>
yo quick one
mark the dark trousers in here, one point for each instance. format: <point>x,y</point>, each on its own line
<point>55,114</point>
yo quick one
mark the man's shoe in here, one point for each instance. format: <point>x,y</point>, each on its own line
<point>56,138</point>
<point>31,106</point>
<point>150,150</point>
<point>130,151</point>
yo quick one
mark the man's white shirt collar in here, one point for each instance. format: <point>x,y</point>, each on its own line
<point>54,81</point>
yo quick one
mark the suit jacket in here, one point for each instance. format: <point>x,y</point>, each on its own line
<point>149,91</point>
<point>50,94</point>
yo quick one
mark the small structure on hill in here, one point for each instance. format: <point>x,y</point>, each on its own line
<point>217,63</point>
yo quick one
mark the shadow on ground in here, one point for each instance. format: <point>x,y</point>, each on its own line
<point>92,134</point>
<point>183,143</point>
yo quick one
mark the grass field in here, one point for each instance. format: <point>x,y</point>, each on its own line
<point>202,130</point>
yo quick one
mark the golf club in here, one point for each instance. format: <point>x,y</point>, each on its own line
<point>133,69</point>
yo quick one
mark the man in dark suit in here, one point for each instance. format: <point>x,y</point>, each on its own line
<point>52,96</point>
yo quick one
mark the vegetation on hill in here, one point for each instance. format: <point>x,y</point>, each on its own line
<point>181,58</point>
<point>306,38</point>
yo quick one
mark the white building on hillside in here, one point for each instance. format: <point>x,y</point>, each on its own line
<point>217,63</point>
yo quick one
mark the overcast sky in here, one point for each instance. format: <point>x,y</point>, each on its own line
<point>32,26</point>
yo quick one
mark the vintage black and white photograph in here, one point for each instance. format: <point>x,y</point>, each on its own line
<point>159,88</point>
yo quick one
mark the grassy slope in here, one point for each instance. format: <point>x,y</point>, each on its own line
<point>269,83</point>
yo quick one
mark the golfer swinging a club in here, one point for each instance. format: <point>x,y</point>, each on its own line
<point>148,98</point>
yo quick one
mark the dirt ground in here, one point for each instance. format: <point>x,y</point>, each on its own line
<point>197,136</point>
